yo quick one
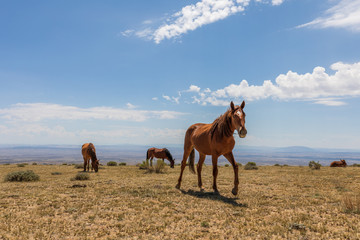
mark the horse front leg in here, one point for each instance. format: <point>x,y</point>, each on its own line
<point>215,172</point>
<point>199,168</point>
<point>151,161</point>
<point>88,165</point>
<point>231,159</point>
<point>85,161</point>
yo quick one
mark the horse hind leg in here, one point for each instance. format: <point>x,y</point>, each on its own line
<point>187,151</point>
<point>199,168</point>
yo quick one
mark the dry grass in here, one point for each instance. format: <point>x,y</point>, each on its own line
<point>126,203</point>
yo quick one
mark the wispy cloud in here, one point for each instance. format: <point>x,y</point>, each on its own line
<point>193,16</point>
<point>317,86</point>
<point>28,133</point>
<point>345,14</point>
<point>35,112</point>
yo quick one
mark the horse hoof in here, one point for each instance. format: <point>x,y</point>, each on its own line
<point>177,186</point>
<point>216,192</point>
<point>234,191</point>
<point>202,190</point>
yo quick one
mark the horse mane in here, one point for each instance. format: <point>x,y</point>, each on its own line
<point>168,154</point>
<point>222,126</point>
<point>91,152</point>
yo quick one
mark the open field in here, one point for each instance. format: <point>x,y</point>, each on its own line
<point>123,202</point>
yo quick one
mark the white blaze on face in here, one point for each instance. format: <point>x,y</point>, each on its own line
<point>239,113</point>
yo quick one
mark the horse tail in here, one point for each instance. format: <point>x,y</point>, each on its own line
<point>192,161</point>
<point>147,154</point>
<point>168,154</point>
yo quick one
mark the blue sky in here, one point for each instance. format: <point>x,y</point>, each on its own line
<point>141,72</point>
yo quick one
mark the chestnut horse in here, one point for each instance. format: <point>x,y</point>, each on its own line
<point>88,152</point>
<point>214,139</point>
<point>340,163</point>
<point>162,153</point>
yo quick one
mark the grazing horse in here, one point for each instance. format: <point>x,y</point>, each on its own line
<point>162,153</point>
<point>88,152</point>
<point>340,163</point>
<point>214,139</point>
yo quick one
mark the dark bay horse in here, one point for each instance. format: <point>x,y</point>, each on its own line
<point>88,151</point>
<point>341,163</point>
<point>214,139</point>
<point>162,153</point>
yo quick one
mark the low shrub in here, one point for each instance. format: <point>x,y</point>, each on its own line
<point>81,176</point>
<point>21,164</point>
<point>145,165</point>
<point>79,166</point>
<point>56,173</point>
<point>122,164</point>
<point>314,165</point>
<point>34,163</point>
<point>250,166</point>
<point>227,165</point>
<point>22,176</point>
<point>111,163</point>
<point>159,166</point>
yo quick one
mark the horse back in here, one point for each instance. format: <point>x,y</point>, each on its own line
<point>87,149</point>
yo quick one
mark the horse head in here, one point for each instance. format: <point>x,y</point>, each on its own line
<point>172,163</point>
<point>238,117</point>
<point>95,165</point>
<point>343,162</point>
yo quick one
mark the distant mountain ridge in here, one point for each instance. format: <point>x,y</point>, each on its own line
<point>132,154</point>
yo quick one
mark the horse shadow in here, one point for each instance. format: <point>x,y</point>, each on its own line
<point>214,196</point>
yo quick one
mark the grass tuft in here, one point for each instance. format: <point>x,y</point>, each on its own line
<point>351,204</point>
<point>81,176</point>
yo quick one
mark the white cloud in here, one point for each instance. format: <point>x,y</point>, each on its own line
<point>277,2</point>
<point>127,33</point>
<point>330,102</point>
<point>345,14</point>
<point>193,88</point>
<point>317,86</point>
<point>193,16</point>
<point>166,97</point>
<point>34,112</point>
<point>130,106</point>
<point>39,133</point>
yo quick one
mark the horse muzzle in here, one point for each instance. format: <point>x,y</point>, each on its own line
<point>242,132</point>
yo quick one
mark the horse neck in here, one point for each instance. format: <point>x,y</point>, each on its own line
<point>223,126</point>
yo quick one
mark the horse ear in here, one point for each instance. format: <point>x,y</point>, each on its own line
<point>242,105</point>
<point>232,106</point>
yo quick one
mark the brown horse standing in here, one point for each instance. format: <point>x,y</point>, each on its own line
<point>341,163</point>
<point>88,152</point>
<point>162,153</point>
<point>214,139</point>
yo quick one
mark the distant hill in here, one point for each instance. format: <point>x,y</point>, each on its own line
<point>133,154</point>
